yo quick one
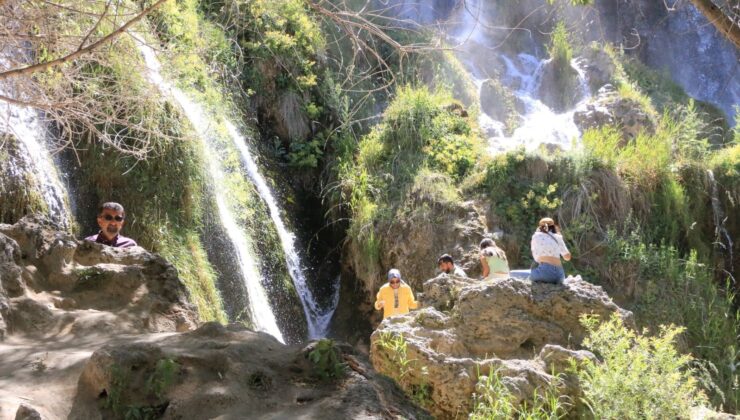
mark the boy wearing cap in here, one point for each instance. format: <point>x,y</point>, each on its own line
<point>395,297</point>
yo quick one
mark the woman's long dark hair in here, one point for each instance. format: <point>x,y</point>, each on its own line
<point>488,245</point>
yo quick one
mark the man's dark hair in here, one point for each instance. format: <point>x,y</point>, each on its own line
<point>111,206</point>
<point>445,258</point>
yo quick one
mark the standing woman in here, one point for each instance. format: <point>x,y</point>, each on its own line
<point>547,248</point>
<point>493,259</point>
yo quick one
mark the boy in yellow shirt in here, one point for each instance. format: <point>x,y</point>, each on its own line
<point>395,297</point>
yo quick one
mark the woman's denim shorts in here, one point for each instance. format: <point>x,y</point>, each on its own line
<point>547,273</point>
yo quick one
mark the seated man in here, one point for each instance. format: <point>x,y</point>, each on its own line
<point>447,265</point>
<point>395,297</point>
<point>110,219</point>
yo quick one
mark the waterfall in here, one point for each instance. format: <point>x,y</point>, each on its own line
<point>25,124</point>
<point>724,238</point>
<point>259,308</point>
<point>317,318</point>
<point>540,125</point>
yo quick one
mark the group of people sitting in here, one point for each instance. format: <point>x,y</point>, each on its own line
<point>547,245</point>
<point>396,297</point>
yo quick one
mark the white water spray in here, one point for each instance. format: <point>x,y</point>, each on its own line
<point>259,307</point>
<point>26,125</point>
<point>317,318</point>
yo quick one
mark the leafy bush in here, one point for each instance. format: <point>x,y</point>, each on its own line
<point>327,360</point>
<point>639,376</point>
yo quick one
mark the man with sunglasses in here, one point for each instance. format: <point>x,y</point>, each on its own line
<point>110,219</point>
<point>395,297</point>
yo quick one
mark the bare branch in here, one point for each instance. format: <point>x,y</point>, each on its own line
<point>81,51</point>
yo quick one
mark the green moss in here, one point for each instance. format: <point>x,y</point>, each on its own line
<point>19,191</point>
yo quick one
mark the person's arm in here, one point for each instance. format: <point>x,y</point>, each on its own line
<point>413,304</point>
<point>484,264</point>
<point>378,303</point>
<point>564,252</point>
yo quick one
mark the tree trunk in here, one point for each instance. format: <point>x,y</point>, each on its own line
<point>720,20</point>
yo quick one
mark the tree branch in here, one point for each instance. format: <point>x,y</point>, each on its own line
<point>720,20</point>
<point>80,51</point>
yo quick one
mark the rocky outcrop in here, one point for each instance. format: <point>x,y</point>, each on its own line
<point>230,372</point>
<point>525,332</point>
<point>608,108</point>
<point>94,332</point>
<point>457,229</point>
<point>54,284</point>
<point>499,103</point>
<point>559,85</point>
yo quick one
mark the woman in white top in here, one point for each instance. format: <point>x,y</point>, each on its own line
<point>547,248</point>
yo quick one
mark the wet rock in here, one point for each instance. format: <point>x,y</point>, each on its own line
<point>499,103</point>
<point>559,86</point>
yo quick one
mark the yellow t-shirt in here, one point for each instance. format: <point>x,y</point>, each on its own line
<point>406,300</point>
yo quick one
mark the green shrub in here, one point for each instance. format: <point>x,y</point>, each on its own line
<point>327,360</point>
<point>638,376</point>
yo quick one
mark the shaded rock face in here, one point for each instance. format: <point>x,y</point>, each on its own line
<point>53,284</point>
<point>220,372</point>
<point>524,331</point>
<point>608,108</point>
<point>559,86</point>
<point>456,230</point>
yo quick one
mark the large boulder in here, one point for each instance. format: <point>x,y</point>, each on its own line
<point>523,331</point>
<point>230,372</point>
<point>609,108</point>
<point>50,283</point>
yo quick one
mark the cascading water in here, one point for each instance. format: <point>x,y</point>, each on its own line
<point>540,124</point>
<point>25,124</point>
<point>317,318</point>
<point>259,308</point>
<point>719,221</point>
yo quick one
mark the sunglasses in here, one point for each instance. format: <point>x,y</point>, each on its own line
<point>395,281</point>
<point>108,217</point>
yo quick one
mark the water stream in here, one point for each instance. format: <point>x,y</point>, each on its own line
<point>317,318</point>
<point>33,142</point>
<point>259,309</point>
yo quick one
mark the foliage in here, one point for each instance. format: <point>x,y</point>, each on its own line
<point>493,400</point>
<point>327,360</point>
<point>560,49</point>
<point>639,376</point>
<point>420,134</point>
<point>673,290</point>
<point>405,369</point>
<point>162,378</point>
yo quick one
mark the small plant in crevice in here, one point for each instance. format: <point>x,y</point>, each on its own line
<point>139,395</point>
<point>327,360</point>
<point>493,400</point>
<point>163,377</point>
<point>415,386</point>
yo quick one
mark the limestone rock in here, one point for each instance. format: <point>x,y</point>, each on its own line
<point>499,103</point>
<point>559,86</point>
<point>73,286</point>
<point>598,66</point>
<point>26,412</point>
<point>520,330</point>
<point>609,108</point>
<point>227,372</point>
